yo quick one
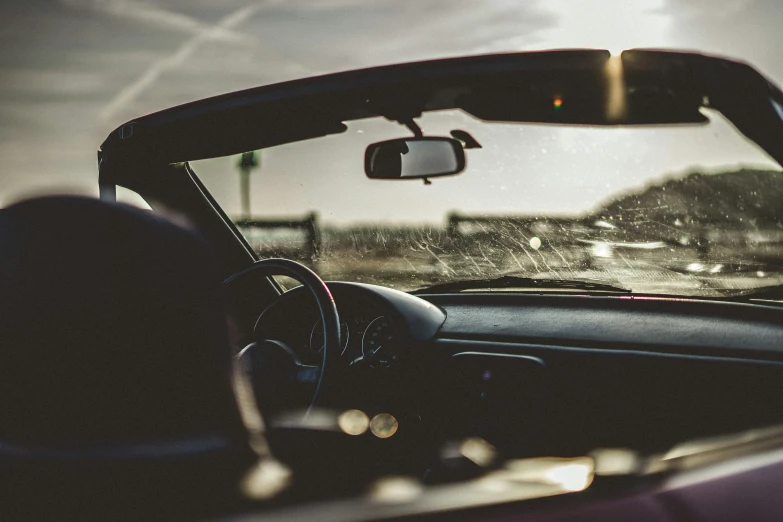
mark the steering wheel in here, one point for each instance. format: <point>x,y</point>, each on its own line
<point>273,359</point>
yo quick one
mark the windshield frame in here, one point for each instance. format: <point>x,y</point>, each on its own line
<point>144,148</point>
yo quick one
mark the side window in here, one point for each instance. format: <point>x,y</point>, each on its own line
<point>131,198</point>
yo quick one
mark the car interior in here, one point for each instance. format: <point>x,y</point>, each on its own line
<point>358,382</point>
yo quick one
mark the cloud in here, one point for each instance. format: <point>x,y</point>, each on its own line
<point>66,62</point>
<point>163,18</point>
<point>344,34</point>
<point>320,37</point>
<point>747,30</point>
<point>59,83</point>
<point>721,9</point>
<point>185,51</point>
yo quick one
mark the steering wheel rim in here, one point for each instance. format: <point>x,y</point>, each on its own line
<point>330,319</point>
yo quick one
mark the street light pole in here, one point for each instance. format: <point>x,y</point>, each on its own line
<point>247,163</point>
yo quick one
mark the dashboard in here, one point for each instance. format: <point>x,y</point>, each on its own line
<point>359,321</point>
<point>377,324</point>
<point>544,374</point>
<point>368,336</point>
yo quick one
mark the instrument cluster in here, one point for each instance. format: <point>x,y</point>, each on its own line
<point>367,336</point>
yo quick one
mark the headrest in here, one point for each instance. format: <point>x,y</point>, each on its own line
<point>112,334</point>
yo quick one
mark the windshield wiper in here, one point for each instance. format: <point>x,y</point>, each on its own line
<point>508,281</point>
<point>773,293</point>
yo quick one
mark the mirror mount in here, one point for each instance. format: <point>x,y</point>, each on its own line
<point>413,127</point>
<point>468,141</point>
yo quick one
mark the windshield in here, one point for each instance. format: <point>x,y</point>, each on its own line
<point>691,210</point>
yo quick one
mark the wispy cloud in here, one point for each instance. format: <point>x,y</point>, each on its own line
<point>721,9</point>
<point>153,15</point>
<point>183,53</point>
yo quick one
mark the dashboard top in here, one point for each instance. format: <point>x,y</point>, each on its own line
<point>686,326</point>
<point>698,327</point>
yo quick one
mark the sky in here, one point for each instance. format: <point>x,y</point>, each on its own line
<point>73,70</point>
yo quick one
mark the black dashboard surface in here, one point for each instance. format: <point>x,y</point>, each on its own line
<point>612,372</point>
<point>665,325</point>
<point>558,374</point>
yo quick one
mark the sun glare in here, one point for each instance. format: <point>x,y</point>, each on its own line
<point>616,103</point>
<point>615,25</point>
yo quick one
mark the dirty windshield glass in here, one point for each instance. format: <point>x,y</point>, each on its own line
<point>688,210</point>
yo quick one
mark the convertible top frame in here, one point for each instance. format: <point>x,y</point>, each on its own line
<point>148,155</point>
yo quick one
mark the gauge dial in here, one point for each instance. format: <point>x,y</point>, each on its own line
<point>379,344</point>
<point>317,337</point>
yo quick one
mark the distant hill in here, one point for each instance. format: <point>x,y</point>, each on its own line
<point>744,198</point>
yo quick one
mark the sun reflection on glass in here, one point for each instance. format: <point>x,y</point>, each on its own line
<point>614,461</point>
<point>573,477</point>
<point>568,474</point>
<point>616,102</point>
<point>383,425</point>
<point>394,490</point>
<point>353,422</point>
<point>478,451</point>
<point>265,480</point>
<point>535,243</point>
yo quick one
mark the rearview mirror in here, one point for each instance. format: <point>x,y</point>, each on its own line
<point>414,158</point>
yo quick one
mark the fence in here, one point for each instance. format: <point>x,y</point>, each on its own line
<point>285,246</point>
